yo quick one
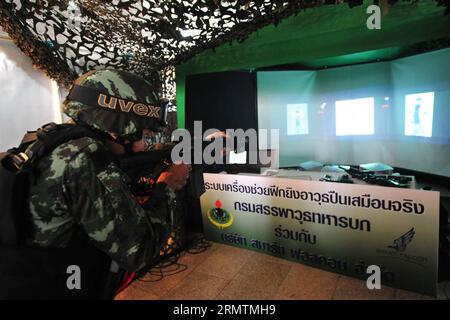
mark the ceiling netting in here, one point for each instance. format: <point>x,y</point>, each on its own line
<point>148,37</point>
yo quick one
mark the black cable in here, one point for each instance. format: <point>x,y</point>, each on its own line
<point>161,272</point>
<point>195,245</point>
<point>198,244</point>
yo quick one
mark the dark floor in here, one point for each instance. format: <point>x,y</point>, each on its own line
<point>225,272</point>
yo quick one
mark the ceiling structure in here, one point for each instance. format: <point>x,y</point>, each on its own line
<point>331,36</point>
<point>326,37</point>
<point>67,38</point>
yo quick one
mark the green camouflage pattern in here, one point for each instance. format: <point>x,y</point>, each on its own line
<point>79,186</point>
<point>120,84</point>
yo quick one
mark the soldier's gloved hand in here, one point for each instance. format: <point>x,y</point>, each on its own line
<point>176,176</point>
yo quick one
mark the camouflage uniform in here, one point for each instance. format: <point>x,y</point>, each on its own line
<point>79,186</point>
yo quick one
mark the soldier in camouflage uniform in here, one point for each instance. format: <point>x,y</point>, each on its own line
<point>79,186</point>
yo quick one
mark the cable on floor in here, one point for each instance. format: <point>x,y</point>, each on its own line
<point>169,264</point>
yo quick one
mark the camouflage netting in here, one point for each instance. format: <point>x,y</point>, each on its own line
<point>148,37</point>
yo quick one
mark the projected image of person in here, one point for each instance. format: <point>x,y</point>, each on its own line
<point>297,119</point>
<point>419,114</point>
<point>298,116</point>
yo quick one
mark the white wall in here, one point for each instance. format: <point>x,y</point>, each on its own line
<point>28,98</point>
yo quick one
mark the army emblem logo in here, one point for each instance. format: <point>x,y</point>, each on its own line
<point>219,217</point>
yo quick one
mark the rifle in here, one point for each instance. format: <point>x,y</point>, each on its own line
<point>144,169</point>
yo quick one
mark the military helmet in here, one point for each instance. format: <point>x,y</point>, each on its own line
<point>115,101</point>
